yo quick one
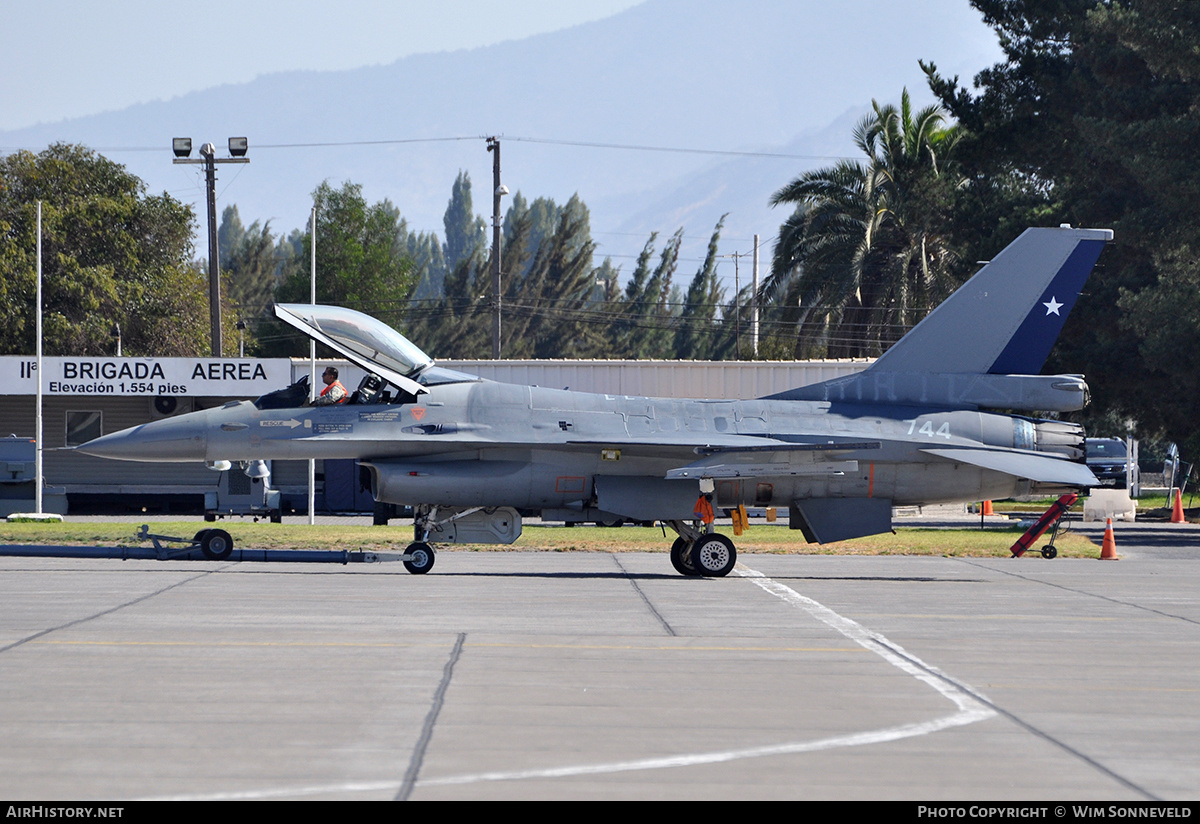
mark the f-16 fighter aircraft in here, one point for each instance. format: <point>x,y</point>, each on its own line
<point>917,427</point>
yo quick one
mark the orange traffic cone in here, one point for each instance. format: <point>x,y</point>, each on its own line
<point>1108,549</point>
<point>1177,508</point>
<point>987,508</point>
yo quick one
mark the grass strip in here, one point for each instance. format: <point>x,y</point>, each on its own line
<point>777,539</point>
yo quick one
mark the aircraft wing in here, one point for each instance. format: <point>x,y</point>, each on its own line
<point>1035,467</point>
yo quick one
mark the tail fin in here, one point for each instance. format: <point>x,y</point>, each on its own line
<point>985,343</point>
<point>1005,319</point>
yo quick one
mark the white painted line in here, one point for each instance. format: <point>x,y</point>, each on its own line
<point>894,654</point>
<point>969,711</point>
<point>287,792</point>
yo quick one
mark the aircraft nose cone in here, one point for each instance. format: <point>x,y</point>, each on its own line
<point>173,439</point>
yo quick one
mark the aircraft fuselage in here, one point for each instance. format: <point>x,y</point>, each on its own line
<point>493,444</point>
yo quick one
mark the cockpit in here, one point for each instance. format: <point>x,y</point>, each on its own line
<point>388,357</point>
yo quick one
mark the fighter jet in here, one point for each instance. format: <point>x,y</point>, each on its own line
<point>921,425</point>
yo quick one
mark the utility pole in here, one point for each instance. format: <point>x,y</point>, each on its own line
<point>209,152</point>
<point>754,303</point>
<point>37,459</point>
<point>312,367</point>
<point>182,147</point>
<point>498,191</point>
<point>737,309</point>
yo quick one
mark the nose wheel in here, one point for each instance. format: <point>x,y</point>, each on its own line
<point>418,558</point>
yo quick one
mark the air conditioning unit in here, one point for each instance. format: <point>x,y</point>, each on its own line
<point>167,406</point>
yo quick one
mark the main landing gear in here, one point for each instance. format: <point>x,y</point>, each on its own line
<point>696,553</point>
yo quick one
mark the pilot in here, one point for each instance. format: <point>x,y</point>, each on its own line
<point>333,392</point>
<point>704,510</point>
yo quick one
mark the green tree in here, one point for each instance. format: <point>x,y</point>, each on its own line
<point>456,324</point>
<point>541,218</point>
<point>250,264</point>
<point>649,313</point>
<point>1092,120</point>
<point>465,231</point>
<point>361,262</point>
<point>866,253</point>
<point>425,250</point>
<point>698,335</point>
<point>111,255</point>
<point>230,233</point>
<point>547,309</point>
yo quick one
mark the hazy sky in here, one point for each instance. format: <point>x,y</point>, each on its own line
<point>68,58</point>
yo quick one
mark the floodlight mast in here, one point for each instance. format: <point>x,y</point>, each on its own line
<point>182,148</point>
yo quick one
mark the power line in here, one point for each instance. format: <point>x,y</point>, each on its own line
<point>334,144</point>
<point>673,149</point>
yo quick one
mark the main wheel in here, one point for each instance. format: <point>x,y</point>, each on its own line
<point>1048,551</point>
<point>216,544</point>
<point>713,555</point>
<point>681,558</point>
<point>422,558</point>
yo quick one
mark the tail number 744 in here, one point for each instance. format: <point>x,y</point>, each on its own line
<point>927,429</point>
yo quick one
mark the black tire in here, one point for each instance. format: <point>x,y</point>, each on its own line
<point>681,558</point>
<point>612,522</point>
<point>216,544</point>
<point>276,516</point>
<point>1049,551</point>
<point>713,555</point>
<point>199,536</point>
<point>210,517</point>
<point>422,560</point>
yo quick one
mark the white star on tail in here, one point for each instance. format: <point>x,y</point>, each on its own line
<point>1052,307</point>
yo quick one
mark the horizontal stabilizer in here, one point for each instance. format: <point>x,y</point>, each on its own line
<point>1039,468</point>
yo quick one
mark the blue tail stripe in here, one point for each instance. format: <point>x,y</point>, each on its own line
<point>1028,349</point>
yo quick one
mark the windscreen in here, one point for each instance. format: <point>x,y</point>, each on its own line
<point>367,342</point>
<point>1105,449</point>
<point>369,338</point>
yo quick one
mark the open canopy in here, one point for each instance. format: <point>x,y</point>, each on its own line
<point>364,341</point>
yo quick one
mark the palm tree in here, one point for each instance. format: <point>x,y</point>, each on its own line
<point>863,257</point>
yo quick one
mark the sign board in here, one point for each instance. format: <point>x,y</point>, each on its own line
<point>195,377</point>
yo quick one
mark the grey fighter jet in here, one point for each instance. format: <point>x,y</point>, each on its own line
<point>917,427</point>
